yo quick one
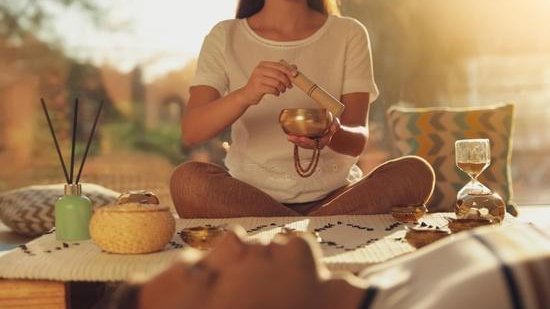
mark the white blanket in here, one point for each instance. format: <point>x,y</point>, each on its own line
<point>349,243</point>
<point>503,267</point>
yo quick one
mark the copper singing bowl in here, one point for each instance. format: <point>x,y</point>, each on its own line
<point>310,122</point>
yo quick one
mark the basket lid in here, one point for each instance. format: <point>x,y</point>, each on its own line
<point>132,207</point>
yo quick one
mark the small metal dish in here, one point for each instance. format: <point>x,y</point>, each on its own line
<point>419,238</point>
<point>458,225</point>
<point>408,213</point>
<point>202,237</point>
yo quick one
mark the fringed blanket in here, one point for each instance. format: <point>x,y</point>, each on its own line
<point>349,243</point>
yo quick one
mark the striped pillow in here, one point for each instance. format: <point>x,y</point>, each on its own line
<point>30,210</point>
<point>431,134</point>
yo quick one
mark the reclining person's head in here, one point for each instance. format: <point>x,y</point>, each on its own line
<point>236,274</point>
<point>286,274</point>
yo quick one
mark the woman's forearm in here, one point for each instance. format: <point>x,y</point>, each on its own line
<point>350,140</point>
<point>202,122</point>
<point>353,134</point>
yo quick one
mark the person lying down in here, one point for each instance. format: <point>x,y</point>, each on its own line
<point>489,267</point>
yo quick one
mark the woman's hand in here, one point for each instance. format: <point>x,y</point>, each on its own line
<point>182,285</point>
<point>319,143</point>
<point>267,78</point>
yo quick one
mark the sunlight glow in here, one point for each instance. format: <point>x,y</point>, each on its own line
<point>163,34</point>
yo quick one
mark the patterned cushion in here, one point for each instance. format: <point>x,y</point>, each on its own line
<point>431,133</point>
<point>30,211</point>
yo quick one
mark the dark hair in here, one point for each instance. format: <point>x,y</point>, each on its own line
<point>247,8</point>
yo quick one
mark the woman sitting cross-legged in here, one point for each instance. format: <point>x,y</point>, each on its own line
<point>240,83</point>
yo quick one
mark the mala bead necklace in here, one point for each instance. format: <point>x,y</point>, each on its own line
<point>310,169</point>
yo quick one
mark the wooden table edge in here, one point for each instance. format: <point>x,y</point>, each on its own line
<point>25,293</point>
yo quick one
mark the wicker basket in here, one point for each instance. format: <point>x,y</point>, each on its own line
<point>132,228</point>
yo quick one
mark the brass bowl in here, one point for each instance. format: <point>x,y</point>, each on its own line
<point>408,213</point>
<point>462,224</point>
<point>309,122</point>
<point>202,237</point>
<point>419,238</point>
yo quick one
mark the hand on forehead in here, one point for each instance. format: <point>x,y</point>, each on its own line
<point>233,248</point>
<point>212,279</point>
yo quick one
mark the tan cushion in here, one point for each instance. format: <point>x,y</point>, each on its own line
<point>30,210</point>
<point>431,133</point>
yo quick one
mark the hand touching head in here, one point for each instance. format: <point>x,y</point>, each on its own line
<point>238,274</point>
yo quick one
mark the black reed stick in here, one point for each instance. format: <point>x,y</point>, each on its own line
<point>54,139</point>
<point>89,142</point>
<point>75,121</point>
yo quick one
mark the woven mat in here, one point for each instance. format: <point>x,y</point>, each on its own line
<point>349,243</point>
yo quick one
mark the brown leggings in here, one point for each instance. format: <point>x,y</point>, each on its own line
<point>204,190</point>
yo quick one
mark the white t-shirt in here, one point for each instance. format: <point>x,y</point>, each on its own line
<point>503,266</point>
<point>336,57</point>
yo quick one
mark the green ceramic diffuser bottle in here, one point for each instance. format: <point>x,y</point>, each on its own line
<point>73,212</point>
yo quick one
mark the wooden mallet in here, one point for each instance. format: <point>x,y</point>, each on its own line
<point>318,94</point>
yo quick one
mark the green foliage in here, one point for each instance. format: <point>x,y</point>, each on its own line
<point>164,140</point>
<point>120,134</point>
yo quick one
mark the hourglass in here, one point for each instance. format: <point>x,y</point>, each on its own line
<point>474,200</point>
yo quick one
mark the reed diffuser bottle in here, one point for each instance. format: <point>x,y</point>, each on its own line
<point>73,210</point>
